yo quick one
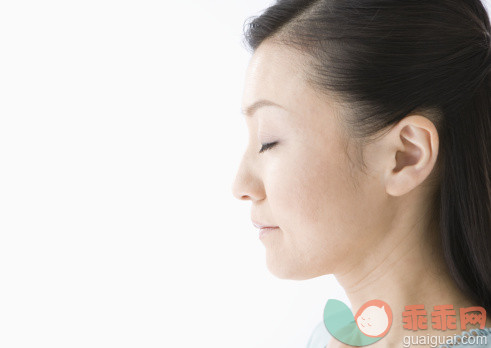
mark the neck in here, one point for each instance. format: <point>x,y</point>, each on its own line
<point>407,268</point>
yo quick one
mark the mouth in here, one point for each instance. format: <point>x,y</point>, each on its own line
<point>264,229</point>
<point>261,226</point>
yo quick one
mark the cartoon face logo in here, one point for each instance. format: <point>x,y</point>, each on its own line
<point>374,318</point>
<point>370,324</point>
<point>373,321</point>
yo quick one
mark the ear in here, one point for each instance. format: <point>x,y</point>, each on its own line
<point>413,150</point>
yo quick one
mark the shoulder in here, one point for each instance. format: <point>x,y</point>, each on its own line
<point>320,336</point>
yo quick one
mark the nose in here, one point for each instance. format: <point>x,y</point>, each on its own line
<point>247,184</point>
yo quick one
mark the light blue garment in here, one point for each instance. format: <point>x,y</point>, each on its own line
<point>320,337</point>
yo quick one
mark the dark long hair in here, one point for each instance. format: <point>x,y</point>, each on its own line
<point>388,58</point>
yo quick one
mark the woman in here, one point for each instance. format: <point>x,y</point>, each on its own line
<point>369,151</point>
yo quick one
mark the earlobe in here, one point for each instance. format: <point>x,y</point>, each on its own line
<point>415,149</point>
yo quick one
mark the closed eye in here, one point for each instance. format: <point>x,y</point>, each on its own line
<point>267,146</point>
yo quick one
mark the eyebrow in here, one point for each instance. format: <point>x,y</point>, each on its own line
<point>251,109</point>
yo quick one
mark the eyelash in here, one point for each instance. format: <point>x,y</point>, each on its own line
<point>267,146</point>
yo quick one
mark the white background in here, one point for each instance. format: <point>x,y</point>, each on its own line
<point>120,136</point>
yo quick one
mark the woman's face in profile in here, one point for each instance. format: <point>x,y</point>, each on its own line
<point>328,212</point>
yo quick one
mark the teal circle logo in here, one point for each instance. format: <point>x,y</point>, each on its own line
<point>370,324</point>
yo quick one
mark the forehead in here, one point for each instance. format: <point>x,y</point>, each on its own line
<point>275,72</point>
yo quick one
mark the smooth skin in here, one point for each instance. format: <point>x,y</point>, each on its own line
<point>371,228</point>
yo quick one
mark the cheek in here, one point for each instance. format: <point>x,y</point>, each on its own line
<point>310,191</point>
<point>324,215</point>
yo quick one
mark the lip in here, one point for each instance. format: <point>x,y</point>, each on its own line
<point>264,228</point>
<point>262,225</point>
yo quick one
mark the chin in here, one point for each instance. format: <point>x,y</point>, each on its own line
<point>285,270</point>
